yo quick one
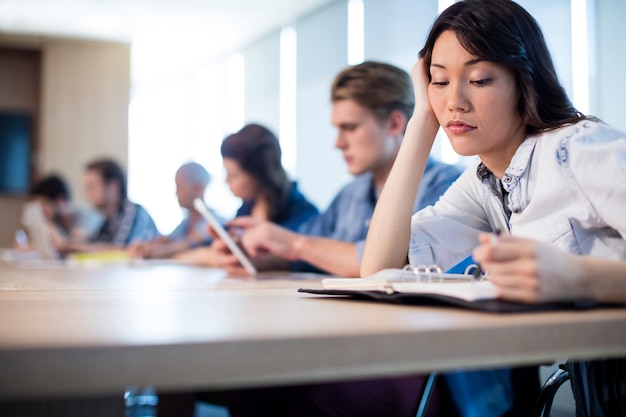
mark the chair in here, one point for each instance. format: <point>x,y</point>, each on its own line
<point>526,392</point>
<point>549,390</point>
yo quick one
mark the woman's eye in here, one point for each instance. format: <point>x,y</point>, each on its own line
<point>483,81</point>
<point>439,83</point>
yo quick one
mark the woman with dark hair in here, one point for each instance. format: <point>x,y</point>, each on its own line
<point>254,173</point>
<point>551,179</point>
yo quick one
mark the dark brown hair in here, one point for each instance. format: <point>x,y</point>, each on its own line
<point>501,31</point>
<point>257,151</point>
<point>53,187</point>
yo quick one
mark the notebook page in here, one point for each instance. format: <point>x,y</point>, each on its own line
<point>468,291</point>
<point>383,280</point>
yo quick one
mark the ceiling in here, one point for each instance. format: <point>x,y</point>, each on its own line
<point>209,28</point>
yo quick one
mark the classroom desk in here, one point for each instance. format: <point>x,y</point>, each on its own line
<point>95,331</point>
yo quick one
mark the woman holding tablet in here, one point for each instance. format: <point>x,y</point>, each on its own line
<point>254,173</point>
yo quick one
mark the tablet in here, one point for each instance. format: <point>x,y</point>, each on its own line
<point>223,234</point>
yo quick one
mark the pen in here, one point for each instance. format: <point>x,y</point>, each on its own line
<point>494,237</point>
<point>478,271</point>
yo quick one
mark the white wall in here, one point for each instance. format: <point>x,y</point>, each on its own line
<point>609,88</point>
<point>396,30</point>
<point>322,53</point>
<point>554,19</point>
<point>84,106</point>
<point>262,71</point>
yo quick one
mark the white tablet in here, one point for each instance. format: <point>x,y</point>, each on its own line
<point>223,234</point>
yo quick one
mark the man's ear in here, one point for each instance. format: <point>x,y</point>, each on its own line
<point>397,123</point>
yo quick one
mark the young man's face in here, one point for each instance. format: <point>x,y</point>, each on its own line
<point>98,193</point>
<point>362,137</point>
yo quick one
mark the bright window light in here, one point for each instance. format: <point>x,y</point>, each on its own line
<point>180,111</point>
<point>580,55</point>
<point>159,141</point>
<point>208,131</point>
<point>287,100</point>
<point>235,92</point>
<point>355,32</point>
<point>444,4</point>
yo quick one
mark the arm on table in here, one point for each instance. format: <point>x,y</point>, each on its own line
<point>389,233</point>
<point>263,237</point>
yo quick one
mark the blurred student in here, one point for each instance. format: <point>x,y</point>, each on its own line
<point>124,221</point>
<point>191,181</point>
<point>371,104</point>
<point>255,174</point>
<point>67,222</point>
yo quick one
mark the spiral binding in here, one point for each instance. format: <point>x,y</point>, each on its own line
<point>435,273</point>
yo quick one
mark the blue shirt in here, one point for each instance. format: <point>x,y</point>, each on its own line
<point>131,222</point>
<point>199,229</point>
<point>295,211</point>
<point>348,217</point>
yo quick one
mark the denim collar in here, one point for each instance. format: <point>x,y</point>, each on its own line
<point>519,164</point>
<point>509,189</point>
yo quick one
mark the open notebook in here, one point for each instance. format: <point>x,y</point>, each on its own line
<point>432,288</point>
<point>463,286</point>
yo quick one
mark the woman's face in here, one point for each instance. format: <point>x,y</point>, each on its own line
<point>242,184</point>
<point>475,102</point>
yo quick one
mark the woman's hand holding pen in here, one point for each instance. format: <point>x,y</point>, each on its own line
<point>529,271</point>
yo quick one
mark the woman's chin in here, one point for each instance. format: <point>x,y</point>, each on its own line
<point>464,150</point>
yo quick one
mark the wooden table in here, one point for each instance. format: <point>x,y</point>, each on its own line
<point>95,331</point>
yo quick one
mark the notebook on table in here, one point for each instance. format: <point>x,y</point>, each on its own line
<point>430,287</point>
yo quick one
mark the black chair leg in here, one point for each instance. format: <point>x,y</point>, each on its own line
<point>548,391</point>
